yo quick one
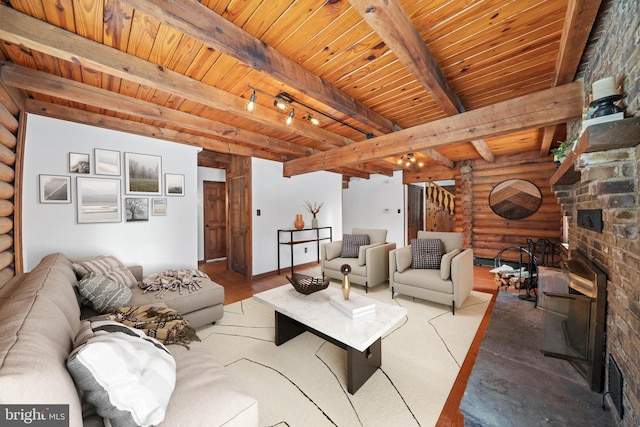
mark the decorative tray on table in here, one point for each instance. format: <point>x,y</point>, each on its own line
<point>307,284</point>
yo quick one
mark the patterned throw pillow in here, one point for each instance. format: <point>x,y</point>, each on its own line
<point>128,376</point>
<point>103,294</point>
<point>426,253</point>
<point>109,266</point>
<point>351,244</point>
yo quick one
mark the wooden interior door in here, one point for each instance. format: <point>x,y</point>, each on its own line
<point>237,260</point>
<point>415,211</point>
<point>215,220</point>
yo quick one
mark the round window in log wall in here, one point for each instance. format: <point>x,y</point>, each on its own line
<point>515,198</point>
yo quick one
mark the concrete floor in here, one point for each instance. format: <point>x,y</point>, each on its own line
<point>514,384</point>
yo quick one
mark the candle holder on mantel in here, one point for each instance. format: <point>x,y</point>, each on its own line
<point>605,106</point>
<point>604,96</point>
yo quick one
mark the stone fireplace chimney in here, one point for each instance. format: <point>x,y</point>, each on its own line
<point>600,180</point>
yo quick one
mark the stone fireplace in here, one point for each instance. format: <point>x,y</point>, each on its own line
<point>602,180</point>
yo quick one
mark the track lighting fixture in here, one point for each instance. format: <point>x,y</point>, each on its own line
<point>289,118</point>
<point>251,106</point>
<point>283,100</point>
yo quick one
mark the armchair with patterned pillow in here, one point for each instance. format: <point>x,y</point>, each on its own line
<point>434,268</point>
<point>365,250</point>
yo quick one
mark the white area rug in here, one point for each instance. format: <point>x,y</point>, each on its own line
<point>303,381</point>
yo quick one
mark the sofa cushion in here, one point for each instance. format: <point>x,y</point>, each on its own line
<point>39,322</point>
<point>425,279</point>
<point>426,253</point>
<point>445,263</point>
<point>336,264</point>
<point>209,294</point>
<point>128,376</point>
<point>362,252</point>
<point>351,244</point>
<point>403,259</point>
<point>102,293</point>
<point>109,266</point>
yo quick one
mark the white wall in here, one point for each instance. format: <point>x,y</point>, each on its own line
<point>205,174</point>
<point>162,242</point>
<point>279,199</point>
<point>374,203</point>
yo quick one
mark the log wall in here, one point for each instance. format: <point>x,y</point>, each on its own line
<point>492,233</point>
<point>9,126</point>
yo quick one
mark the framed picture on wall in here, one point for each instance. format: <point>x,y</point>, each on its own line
<point>174,184</point>
<point>55,189</point>
<point>79,163</point>
<point>107,162</point>
<point>159,207</point>
<point>136,209</point>
<point>143,174</point>
<point>99,200</point>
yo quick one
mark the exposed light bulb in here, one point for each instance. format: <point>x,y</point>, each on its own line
<point>413,159</point>
<point>280,105</point>
<point>408,164</point>
<point>314,121</point>
<point>420,164</point>
<point>289,118</point>
<point>251,106</point>
<point>400,161</point>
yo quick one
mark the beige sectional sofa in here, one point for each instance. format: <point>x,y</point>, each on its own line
<point>40,317</point>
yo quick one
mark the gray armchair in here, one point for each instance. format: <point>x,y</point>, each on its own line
<point>451,284</point>
<point>369,268</point>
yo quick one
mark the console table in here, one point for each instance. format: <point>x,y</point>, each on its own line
<point>308,235</point>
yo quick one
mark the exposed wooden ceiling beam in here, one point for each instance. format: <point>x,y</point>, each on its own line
<point>548,107</point>
<point>438,157</point>
<point>40,82</point>
<point>34,34</point>
<point>389,20</point>
<point>578,22</point>
<point>114,123</point>
<point>547,139</point>
<point>201,23</point>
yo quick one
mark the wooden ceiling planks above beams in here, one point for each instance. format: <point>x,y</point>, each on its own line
<point>35,34</point>
<point>548,107</point>
<point>389,20</point>
<point>203,24</point>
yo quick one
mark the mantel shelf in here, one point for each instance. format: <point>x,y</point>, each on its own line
<point>599,137</point>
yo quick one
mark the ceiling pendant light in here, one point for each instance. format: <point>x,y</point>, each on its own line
<point>289,118</point>
<point>251,106</point>
<point>280,105</point>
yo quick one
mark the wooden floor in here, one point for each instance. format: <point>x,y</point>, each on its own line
<point>237,288</point>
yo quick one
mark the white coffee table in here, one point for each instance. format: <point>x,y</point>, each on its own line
<point>296,313</point>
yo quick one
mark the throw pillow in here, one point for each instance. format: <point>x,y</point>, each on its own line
<point>126,375</point>
<point>362,252</point>
<point>445,264</point>
<point>426,253</point>
<point>103,294</point>
<point>109,266</point>
<point>351,244</point>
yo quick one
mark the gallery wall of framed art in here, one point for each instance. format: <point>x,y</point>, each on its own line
<point>98,191</point>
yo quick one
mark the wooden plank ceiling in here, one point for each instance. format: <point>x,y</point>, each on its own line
<point>444,80</point>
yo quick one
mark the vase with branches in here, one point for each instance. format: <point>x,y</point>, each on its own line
<point>313,209</point>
